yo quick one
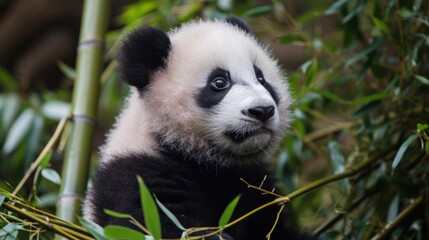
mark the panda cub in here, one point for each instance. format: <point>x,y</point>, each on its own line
<point>208,105</point>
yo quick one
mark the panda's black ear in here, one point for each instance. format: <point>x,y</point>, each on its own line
<point>235,21</point>
<point>143,52</point>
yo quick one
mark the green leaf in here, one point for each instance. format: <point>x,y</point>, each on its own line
<point>10,231</point>
<point>257,11</point>
<point>46,159</point>
<point>56,110</point>
<point>384,28</point>
<point>290,38</point>
<point>150,211</point>
<point>7,80</point>
<point>170,215</point>
<point>227,213</point>
<point>304,67</point>
<point>422,79</point>
<point>34,137</point>
<point>335,7</point>
<point>329,95</point>
<point>337,158</point>
<point>393,209</point>
<point>370,98</point>
<point>68,71</point>
<point>94,229</point>
<point>2,198</point>
<point>422,127</point>
<point>225,5</point>
<point>116,214</point>
<point>11,107</point>
<point>366,109</point>
<point>51,175</point>
<point>120,232</point>
<point>18,130</point>
<point>370,48</point>
<point>427,147</point>
<point>402,150</point>
<point>311,73</point>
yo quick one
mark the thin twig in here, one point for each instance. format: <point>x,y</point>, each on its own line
<point>46,223</point>
<point>388,229</point>
<point>45,150</point>
<point>260,189</point>
<point>275,222</point>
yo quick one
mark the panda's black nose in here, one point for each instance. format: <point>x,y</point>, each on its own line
<point>260,113</point>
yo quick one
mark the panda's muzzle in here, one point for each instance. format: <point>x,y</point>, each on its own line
<point>241,136</point>
<point>261,113</point>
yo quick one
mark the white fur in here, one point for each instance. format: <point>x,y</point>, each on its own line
<point>169,105</point>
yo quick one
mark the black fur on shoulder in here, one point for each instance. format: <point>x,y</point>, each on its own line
<point>143,52</point>
<point>239,23</point>
<point>194,193</point>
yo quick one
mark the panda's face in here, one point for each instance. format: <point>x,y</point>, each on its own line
<point>219,91</point>
<point>241,109</point>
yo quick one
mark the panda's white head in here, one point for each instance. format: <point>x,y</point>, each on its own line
<point>206,89</point>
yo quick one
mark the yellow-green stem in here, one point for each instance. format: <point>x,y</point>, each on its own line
<point>84,105</point>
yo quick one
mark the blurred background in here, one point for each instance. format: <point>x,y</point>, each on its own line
<point>358,70</point>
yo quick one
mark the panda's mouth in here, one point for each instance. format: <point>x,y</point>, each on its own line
<point>241,136</point>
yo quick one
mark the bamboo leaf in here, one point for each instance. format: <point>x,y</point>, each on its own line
<point>56,110</point>
<point>7,80</point>
<point>120,232</point>
<point>427,147</point>
<point>10,231</point>
<point>362,54</point>
<point>68,71</point>
<point>116,214</point>
<point>329,95</point>
<point>384,28</point>
<point>51,175</point>
<point>402,150</point>
<point>393,209</point>
<point>370,98</point>
<point>170,215</point>
<point>94,229</point>
<point>225,5</point>
<point>335,7</point>
<point>46,159</point>
<point>337,158</point>
<point>227,213</point>
<point>2,198</point>
<point>304,67</point>
<point>365,109</point>
<point>290,38</point>
<point>18,130</point>
<point>11,107</point>
<point>150,211</point>
<point>422,127</point>
<point>311,73</point>
<point>422,79</point>
<point>259,10</point>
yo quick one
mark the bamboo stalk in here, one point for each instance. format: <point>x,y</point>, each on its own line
<point>390,227</point>
<point>84,105</point>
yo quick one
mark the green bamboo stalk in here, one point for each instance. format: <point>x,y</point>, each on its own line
<point>84,106</point>
<point>390,227</point>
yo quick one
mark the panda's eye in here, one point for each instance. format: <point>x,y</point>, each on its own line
<point>259,76</point>
<point>261,79</point>
<point>219,83</point>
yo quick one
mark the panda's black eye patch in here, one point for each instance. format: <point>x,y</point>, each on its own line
<point>260,76</point>
<point>218,85</point>
<point>219,79</point>
<point>263,82</point>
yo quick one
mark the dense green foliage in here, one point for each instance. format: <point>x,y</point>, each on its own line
<point>362,108</point>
